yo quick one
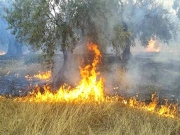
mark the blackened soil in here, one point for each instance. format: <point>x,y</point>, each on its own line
<point>156,75</point>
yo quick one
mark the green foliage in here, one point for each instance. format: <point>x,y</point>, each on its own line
<point>47,24</point>
<point>28,20</point>
<point>121,38</point>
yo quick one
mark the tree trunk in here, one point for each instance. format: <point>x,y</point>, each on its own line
<point>11,48</point>
<point>126,55</point>
<point>18,47</point>
<point>66,74</point>
<point>14,48</point>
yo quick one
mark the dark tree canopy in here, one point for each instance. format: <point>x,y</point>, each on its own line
<point>47,24</point>
<point>52,24</point>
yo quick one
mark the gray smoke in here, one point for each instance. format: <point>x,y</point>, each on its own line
<point>149,72</point>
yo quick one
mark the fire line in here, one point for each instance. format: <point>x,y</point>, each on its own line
<point>91,89</point>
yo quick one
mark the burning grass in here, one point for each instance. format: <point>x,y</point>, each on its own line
<point>65,118</point>
<point>91,89</point>
<point>86,109</point>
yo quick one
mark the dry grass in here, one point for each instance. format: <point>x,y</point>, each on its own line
<point>18,118</point>
<point>18,67</point>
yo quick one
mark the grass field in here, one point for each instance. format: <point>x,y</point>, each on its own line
<point>65,118</point>
<point>109,118</point>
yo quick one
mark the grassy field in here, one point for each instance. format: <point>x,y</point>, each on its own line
<point>17,118</point>
<point>107,118</point>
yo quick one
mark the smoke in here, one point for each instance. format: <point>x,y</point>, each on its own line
<point>146,72</point>
<point>149,72</point>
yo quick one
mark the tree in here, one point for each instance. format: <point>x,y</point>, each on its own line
<point>176,7</point>
<point>49,24</point>
<point>6,38</point>
<point>146,19</point>
<point>14,47</point>
<point>3,32</point>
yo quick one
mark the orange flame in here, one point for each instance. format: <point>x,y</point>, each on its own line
<point>166,110</point>
<point>2,52</point>
<point>41,76</point>
<point>90,87</point>
<point>153,46</point>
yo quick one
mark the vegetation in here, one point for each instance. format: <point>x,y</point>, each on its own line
<point>49,25</point>
<point>82,119</point>
<point>149,19</point>
<point>7,40</point>
<point>61,24</point>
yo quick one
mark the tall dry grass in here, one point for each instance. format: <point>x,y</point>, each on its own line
<point>17,118</point>
<point>113,118</point>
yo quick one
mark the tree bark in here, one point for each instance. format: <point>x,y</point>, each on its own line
<point>14,48</point>
<point>18,47</point>
<point>66,74</point>
<point>126,55</point>
<point>11,48</point>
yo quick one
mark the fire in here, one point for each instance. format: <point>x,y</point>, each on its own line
<point>43,75</point>
<point>166,110</point>
<point>2,52</point>
<point>40,76</point>
<point>153,46</point>
<point>90,87</point>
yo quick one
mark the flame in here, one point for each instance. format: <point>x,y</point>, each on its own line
<point>166,110</point>
<point>43,75</point>
<point>40,76</point>
<point>90,87</point>
<point>153,46</point>
<point>2,52</point>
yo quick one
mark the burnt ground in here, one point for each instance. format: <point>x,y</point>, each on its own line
<point>146,73</point>
<point>12,75</point>
<point>155,73</point>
